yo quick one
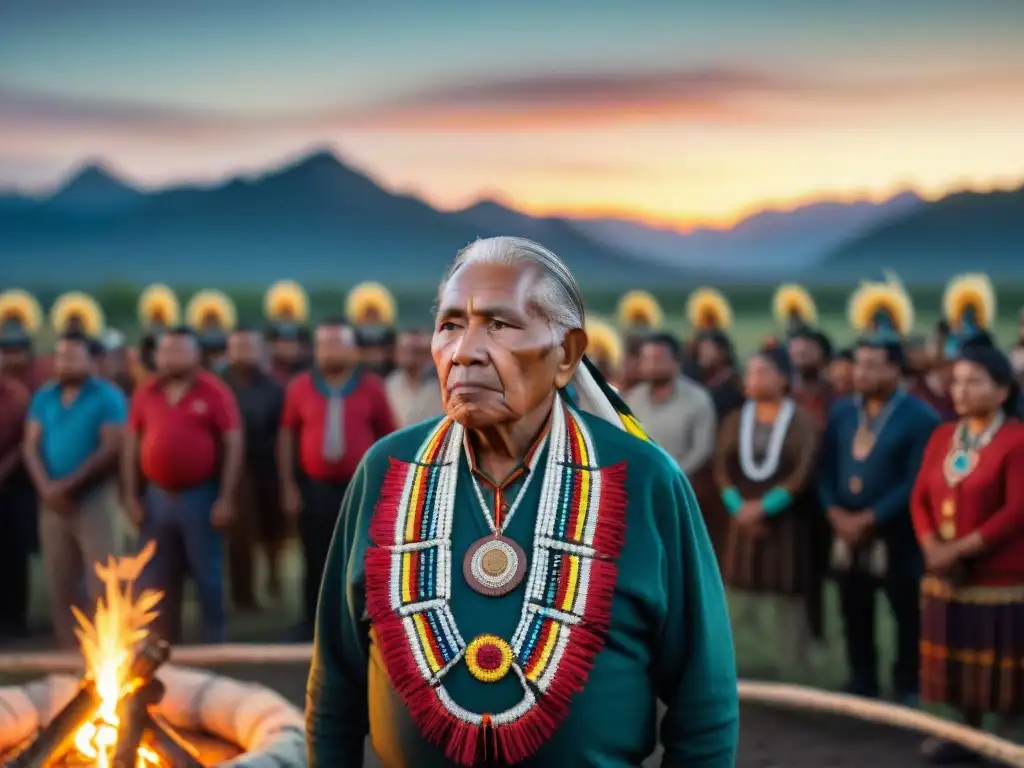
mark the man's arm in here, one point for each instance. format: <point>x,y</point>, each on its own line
<point>337,715</point>
<point>286,437</point>
<point>19,398</point>
<point>130,451</point>
<point>104,460</point>
<point>30,450</point>
<point>705,428</point>
<point>695,666</point>
<point>897,499</point>
<point>920,502</point>
<point>229,422</point>
<point>828,461</point>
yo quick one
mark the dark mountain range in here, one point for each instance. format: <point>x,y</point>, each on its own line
<point>967,231</point>
<point>316,220</point>
<point>768,242</point>
<point>94,190</point>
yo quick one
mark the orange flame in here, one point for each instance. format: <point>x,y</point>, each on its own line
<point>120,624</point>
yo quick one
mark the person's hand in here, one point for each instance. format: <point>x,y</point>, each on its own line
<point>291,500</point>
<point>940,557</point>
<point>54,496</point>
<point>135,510</point>
<point>750,514</point>
<point>860,526</point>
<point>223,513</point>
<point>842,523</point>
<point>751,518</point>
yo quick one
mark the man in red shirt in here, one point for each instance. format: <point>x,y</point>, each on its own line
<point>16,509</point>
<point>332,415</point>
<point>184,444</point>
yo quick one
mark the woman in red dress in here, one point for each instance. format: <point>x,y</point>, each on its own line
<point>968,513</point>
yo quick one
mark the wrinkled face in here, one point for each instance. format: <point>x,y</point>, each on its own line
<point>657,363</point>
<point>710,356</point>
<point>805,354</point>
<point>762,380</point>
<point>872,371</point>
<point>412,351</point>
<point>973,391</point>
<point>496,358</point>
<point>245,348</point>
<point>72,360</point>
<point>335,347</point>
<point>177,354</point>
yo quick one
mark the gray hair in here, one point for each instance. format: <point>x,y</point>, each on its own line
<point>557,297</point>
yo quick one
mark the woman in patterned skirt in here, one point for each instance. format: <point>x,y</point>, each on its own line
<point>968,512</point>
<point>762,464</point>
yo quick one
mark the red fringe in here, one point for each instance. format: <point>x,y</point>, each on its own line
<point>520,740</point>
<point>385,513</point>
<point>464,743</point>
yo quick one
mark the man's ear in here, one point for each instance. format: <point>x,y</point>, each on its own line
<point>573,346</point>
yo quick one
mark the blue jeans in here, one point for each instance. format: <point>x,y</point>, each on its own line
<point>186,543</point>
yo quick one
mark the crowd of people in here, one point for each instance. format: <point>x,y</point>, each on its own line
<point>896,465</point>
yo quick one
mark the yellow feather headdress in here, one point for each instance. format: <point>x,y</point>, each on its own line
<point>794,307</point>
<point>211,310</point>
<point>159,307</point>
<point>370,304</point>
<point>969,304</point>
<point>708,310</point>
<point>639,309</point>
<point>20,308</point>
<point>77,311</point>
<point>881,307</point>
<point>603,343</point>
<point>286,301</point>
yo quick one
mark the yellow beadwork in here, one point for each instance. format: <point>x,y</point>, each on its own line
<point>479,672</point>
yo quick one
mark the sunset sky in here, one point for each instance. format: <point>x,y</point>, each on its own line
<point>672,111</point>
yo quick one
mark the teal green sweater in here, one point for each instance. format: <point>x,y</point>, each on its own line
<point>669,637</point>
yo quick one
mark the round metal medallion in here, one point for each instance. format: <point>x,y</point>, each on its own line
<point>494,566</point>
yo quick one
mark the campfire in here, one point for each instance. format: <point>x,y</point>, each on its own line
<point>109,722</point>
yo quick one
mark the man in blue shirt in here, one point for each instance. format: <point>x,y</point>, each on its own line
<point>870,455</point>
<point>72,441</point>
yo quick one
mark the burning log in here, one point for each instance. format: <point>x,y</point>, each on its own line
<point>133,721</point>
<point>172,749</point>
<point>57,738</point>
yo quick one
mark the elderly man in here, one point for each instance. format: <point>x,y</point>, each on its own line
<point>518,581</point>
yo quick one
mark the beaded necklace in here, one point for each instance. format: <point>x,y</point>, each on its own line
<point>566,607</point>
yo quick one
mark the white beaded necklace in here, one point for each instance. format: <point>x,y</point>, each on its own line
<point>531,471</point>
<point>756,471</point>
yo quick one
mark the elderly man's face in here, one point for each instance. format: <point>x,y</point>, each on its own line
<point>497,359</point>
